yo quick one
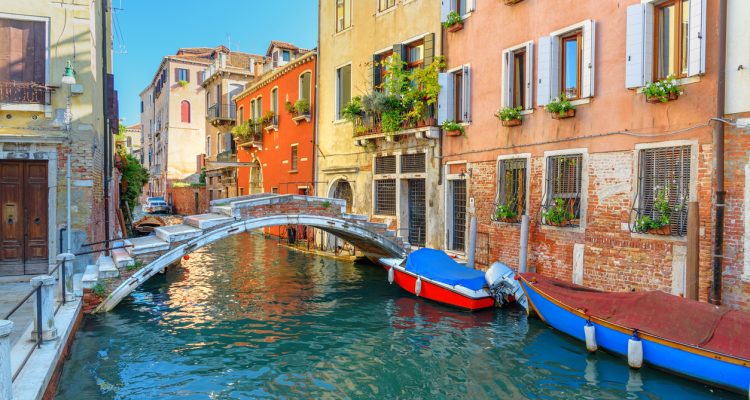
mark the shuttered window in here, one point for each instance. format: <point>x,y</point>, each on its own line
<point>412,163</point>
<point>517,76</point>
<point>511,190</point>
<point>563,188</point>
<point>343,14</point>
<point>385,165</point>
<point>385,197</point>
<point>185,111</point>
<point>565,63</point>
<point>182,74</point>
<point>454,100</point>
<point>294,158</point>
<point>343,88</point>
<point>385,4</point>
<point>22,51</point>
<point>664,175</point>
<point>305,85</point>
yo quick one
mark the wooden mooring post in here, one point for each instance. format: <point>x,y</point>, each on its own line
<point>693,251</point>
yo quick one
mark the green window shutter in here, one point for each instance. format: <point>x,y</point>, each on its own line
<point>376,71</point>
<point>429,49</point>
<point>399,50</point>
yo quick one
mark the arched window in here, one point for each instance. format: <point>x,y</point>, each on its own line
<point>185,111</point>
<point>304,86</point>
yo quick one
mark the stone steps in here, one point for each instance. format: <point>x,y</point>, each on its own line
<point>206,221</point>
<point>177,233</point>
<point>122,258</point>
<point>222,210</point>
<point>107,267</point>
<point>145,245</point>
<point>90,277</point>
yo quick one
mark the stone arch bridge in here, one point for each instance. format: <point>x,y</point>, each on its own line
<point>231,216</point>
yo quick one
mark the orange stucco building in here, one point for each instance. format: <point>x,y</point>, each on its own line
<point>615,162</point>
<point>277,114</point>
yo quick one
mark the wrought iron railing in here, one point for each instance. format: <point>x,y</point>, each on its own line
<point>223,111</point>
<point>370,124</point>
<point>24,92</point>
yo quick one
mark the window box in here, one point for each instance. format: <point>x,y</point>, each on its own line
<point>454,132</point>
<point>656,99</point>
<point>512,122</point>
<point>456,27</point>
<point>565,114</point>
<point>511,2</point>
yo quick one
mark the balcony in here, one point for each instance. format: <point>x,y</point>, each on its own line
<point>249,135</point>
<point>222,113</point>
<point>299,117</point>
<point>370,126</point>
<point>271,122</point>
<point>226,156</point>
<point>24,96</point>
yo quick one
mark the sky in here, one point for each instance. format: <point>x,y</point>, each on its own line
<point>147,30</point>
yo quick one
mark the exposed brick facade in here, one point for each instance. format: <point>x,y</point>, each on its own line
<point>183,200</point>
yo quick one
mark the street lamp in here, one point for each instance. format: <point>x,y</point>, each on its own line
<point>69,76</point>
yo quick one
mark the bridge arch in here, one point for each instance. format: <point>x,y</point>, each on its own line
<point>368,241</point>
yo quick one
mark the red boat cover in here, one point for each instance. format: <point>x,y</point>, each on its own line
<point>677,319</point>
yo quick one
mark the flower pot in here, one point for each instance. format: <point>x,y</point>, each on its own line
<point>654,99</point>
<point>664,230</point>
<point>512,122</point>
<point>510,220</point>
<point>568,114</point>
<point>511,2</point>
<point>456,27</point>
<point>558,224</point>
<point>453,133</point>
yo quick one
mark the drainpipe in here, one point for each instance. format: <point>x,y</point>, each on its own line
<point>718,145</point>
<point>107,123</point>
<point>68,227</point>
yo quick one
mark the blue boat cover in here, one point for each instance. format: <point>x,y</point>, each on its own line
<point>438,266</point>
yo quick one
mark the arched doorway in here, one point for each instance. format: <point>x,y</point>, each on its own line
<point>343,190</point>
<point>256,183</point>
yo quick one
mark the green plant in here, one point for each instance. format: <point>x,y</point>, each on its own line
<point>134,176</point>
<point>662,89</point>
<point>302,106</point>
<point>99,289</point>
<point>645,223</point>
<point>202,177</point>
<point>326,204</point>
<point>267,118</point>
<point>452,126</point>
<point>353,111</point>
<point>289,107</point>
<point>243,131</point>
<point>559,105</point>
<point>509,113</point>
<point>375,103</point>
<point>135,265</point>
<point>183,83</point>
<point>453,18</point>
<point>505,212</point>
<point>558,214</point>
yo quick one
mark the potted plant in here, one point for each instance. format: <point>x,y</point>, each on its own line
<point>183,83</point>
<point>560,108</point>
<point>352,112</point>
<point>289,107</point>
<point>505,213</point>
<point>453,128</point>
<point>453,22</point>
<point>510,116</point>
<point>302,107</point>
<point>662,91</point>
<point>511,2</point>
<point>656,225</point>
<point>558,214</point>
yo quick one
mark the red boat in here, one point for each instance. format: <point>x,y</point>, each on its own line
<point>434,275</point>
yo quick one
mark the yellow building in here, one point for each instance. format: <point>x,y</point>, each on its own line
<point>47,118</point>
<point>393,177</point>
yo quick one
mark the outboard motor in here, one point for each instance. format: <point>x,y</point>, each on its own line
<point>503,285</point>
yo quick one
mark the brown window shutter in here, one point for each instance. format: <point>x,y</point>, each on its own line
<point>199,76</point>
<point>176,75</point>
<point>429,49</point>
<point>40,51</point>
<point>17,45</point>
<point>4,50</point>
<point>187,75</point>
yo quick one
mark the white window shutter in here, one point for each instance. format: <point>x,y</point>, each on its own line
<point>445,9</point>
<point>634,46</point>
<point>507,82</point>
<point>544,66</point>
<point>466,94</point>
<point>471,5</point>
<point>443,100</point>
<point>588,59</point>
<point>697,38</point>
<point>529,74</point>
<point>648,44</point>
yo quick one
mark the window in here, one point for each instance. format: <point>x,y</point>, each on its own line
<point>343,88</point>
<point>208,146</point>
<point>199,77</point>
<point>181,74</point>
<point>455,95</point>
<point>305,86</point>
<point>185,111</point>
<point>412,163</point>
<point>565,63</point>
<point>563,190</point>
<point>285,55</point>
<point>253,109</point>
<point>219,147</point>
<point>343,14</point>
<point>23,55</point>
<point>275,101</point>
<point>415,54</point>
<point>274,190</point>
<point>511,190</point>
<point>385,197</point>
<point>241,115</point>
<point>141,106</point>
<point>462,7</point>
<point>385,4</point>
<point>379,70</point>
<point>663,183</point>
<point>458,103</point>
<point>385,165</point>
<point>571,65</point>
<point>517,77</point>
<point>671,33</point>
<point>294,158</point>
<point>275,58</point>
<point>259,107</point>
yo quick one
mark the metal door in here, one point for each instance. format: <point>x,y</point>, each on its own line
<point>458,239</point>
<point>23,217</point>
<point>417,212</point>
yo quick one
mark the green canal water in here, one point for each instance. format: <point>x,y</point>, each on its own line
<point>246,318</point>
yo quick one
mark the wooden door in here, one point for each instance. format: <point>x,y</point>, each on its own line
<point>23,217</point>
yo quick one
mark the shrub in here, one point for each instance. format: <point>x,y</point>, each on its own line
<point>509,114</point>
<point>99,289</point>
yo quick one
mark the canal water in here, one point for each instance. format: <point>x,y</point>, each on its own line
<point>246,318</point>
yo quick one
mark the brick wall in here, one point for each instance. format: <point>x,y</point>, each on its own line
<point>183,200</point>
<point>614,258</point>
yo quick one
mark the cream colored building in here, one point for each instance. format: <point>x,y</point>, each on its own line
<point>393,178</point>
<point>39,131</point>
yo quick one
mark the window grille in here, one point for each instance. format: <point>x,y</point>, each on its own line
<point>663,172</point>
<point>385,165</point>
<point>458,238</point>
<point>511,190</point>
<point>385,197</point>
<point>563,186</point>
<point>412,163</point>
<point>417,212</point>
<point>294,158</point>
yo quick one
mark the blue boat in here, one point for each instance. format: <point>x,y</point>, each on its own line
<point>696,340</point>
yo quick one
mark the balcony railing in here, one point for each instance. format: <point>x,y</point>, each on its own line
<point>222,111</point>
<point>24,92</point>
<point>370,124</point>
<point>226,156</point>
